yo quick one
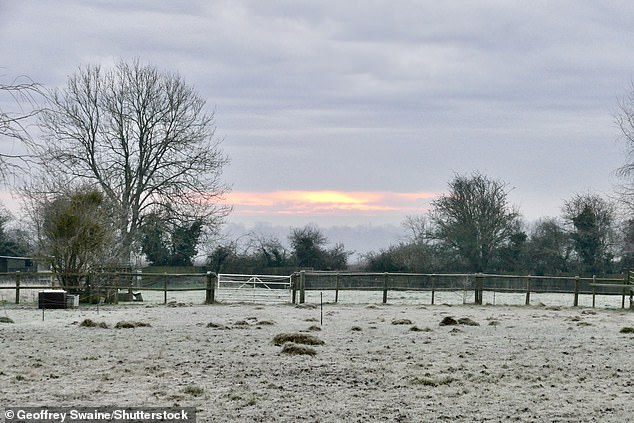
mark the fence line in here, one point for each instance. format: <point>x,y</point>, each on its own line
<point>477,283</point>
<point>109,284</point>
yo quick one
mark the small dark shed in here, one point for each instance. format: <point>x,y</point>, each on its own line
<point>17,264</point>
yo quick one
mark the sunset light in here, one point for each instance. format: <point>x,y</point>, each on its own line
<point>327,202</point>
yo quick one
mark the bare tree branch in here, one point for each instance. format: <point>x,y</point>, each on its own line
<point>22,93</point>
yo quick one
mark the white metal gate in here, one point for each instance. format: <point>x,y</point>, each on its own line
<point>253,288</point>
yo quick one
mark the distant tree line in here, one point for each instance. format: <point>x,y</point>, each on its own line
<point>308,249</point>
<point>473,228</point>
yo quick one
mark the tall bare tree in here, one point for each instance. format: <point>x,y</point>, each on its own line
<point>22,94</point>
<point>474,219</point>
<point>144,138</point>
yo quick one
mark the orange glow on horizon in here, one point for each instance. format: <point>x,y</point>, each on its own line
<point>327,202</point>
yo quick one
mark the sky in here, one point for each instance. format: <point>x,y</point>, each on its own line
<point>356,114</point>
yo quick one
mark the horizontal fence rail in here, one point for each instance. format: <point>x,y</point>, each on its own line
<point>126,286</point>
<point>475,283</point>
<point>108,286</point>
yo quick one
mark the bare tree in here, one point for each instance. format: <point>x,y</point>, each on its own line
<point>21,93</point>
<point>144,138</point>
<point>474,219</point>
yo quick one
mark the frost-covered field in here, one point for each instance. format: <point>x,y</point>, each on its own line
<point>517,364</point>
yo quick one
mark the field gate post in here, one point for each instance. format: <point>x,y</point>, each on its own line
<point>433,288</point>
<point>576,301</point>
<point>293,288</point>
<point>336,287</point>
<point>528,290</point>
<point>302,286</point>
<point>17,287</point>
<point>210,293</point>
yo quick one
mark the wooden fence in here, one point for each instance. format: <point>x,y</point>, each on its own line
<point>110,285</point>
<point>477,283</point>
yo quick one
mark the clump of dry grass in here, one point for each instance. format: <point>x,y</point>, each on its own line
<point>129,325</point>
<point>194,390</point>
<point>4,319</point>
<point>296,338</point>
<point>356,329</point>
<point>314,328</point>
<point>467,321</point>
<point>401,322</point>
<point>417,329</point>
<point>216,325</point>
<point>295,349</point>
<point>627,329</point>
<point>448,321</point>
<point>432,381</point>
<point>265,323</point>
<point>89,323</point>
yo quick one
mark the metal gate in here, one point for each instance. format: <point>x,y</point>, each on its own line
<point>253,288</point>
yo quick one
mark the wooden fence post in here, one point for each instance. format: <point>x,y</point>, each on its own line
<point>337,288</point>
<point>210,295</point>
<point>478,288</point>
<point>17,287</point>
<point>164,287</point>
<point>594,289</point>
<point>116,289</point>
<point>294,288</point>
<point>433,288</point>
<point>576,301</point>
<point>385,280</point>
<point>302,286</point>
<point>528,290</point>
<point>623,297</point>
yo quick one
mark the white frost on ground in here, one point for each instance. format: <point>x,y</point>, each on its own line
<point>520,364</point>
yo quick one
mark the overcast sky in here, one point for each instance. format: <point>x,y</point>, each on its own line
<point>359,112</point>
